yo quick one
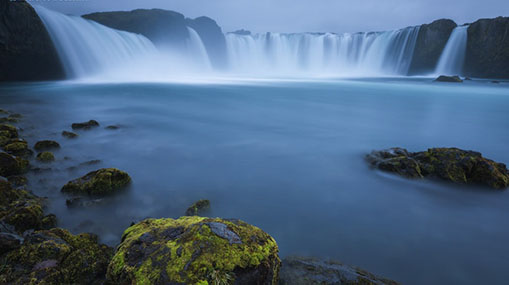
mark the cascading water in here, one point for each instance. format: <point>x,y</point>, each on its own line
<point>453,57</point>
<point>385,53</point>
<point>87,48</point>
<point>196,48</point>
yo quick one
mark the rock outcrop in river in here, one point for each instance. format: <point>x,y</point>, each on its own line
<point>26,50</point>
<point>451,164</point>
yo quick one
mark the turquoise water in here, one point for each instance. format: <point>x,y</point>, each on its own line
<point>287,156</point>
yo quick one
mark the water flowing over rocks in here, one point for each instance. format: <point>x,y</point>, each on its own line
<point>26,50</point>
<point>450,164</point>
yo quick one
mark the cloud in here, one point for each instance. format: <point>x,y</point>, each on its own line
<point>305,15</point>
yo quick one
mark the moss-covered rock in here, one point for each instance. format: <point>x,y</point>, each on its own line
<point>17,180</point>
<point>46,156</point>
<point>8,131</point>
<point>46,145</point>
<point>69,135</point>
<point>198,208</point>
<point>195,250</point>
<point>18,147</point>
<point>20,208</point>
<point>85,126</point>
<point>311,271</point>
<point>56,257</point>
<point>10,165</point>
<point>452,164</point>
<point>100,182</point>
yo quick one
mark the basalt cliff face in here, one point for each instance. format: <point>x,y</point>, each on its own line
<point>488,48</point>
<point>431,41</point>
<point>26,50</point>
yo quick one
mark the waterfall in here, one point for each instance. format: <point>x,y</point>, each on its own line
<point>197,49</point>
<point>383,53</point>
<point>87,48</point>
<point>453,57</point>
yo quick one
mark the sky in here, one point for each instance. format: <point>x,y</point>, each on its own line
<point>303,15</point>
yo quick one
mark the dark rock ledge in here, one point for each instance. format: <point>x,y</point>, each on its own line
<point>450,164</point>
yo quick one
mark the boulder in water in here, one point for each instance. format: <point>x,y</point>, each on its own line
<point>311,271</point>
<point>18,147</point>
<point>69,135</point>
<point>445,78</point>
<point>46,145</point>
<point>45,156</point>
<point>194,250</point>
<point>198,208</point>
<point>451,164</point>
<point>98,183</point>
<point>85,126</point>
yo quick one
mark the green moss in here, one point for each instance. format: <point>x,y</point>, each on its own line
<point>45,156</point>
<point>46,145</point>
<point>18,148</point>
<point>188,250</point>
<point>198,207</point>
<point>8,130</point>
<point>100,182</point>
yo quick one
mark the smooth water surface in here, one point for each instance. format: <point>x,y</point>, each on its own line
<point>288,157</point>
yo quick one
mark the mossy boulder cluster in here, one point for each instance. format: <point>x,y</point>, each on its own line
<point>12,161</point>
<point>451,164</point>
<point>56,256</point>
<point>195,250</point>
<point>98,183</point>
<point>311,271</point>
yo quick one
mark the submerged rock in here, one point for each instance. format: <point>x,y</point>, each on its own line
<point>45,156</point>
<point>80,202</point>
<point>452,164</point>
<point>113,127</point>
<point>56,257</point>
<point>310,271</point>
<point>46,145</point>
<point>18,180</point>
<point>198,207</point>
<point>100,182</point>
<point>11,165</point>
<point>194,250</point>
<point>69,135</point>
<point>453,79</point>
<point>85,126</point>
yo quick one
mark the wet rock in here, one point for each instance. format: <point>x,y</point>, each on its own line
<point>78,202</point>
<point>45,157</point>
<point>18,148</point>
<point>113,127</point>
<point>194,250</point>
<point>69,135</point>
<point>17,180</point>
<point>57,257</point>
<point>10,165</point>
<point>451,164</point>
<point>8,131</point>
<point>100,182</point>
<point>9,242</point>
<point>49,222</point>
<point>9,119</point>
<point>198,208</point>
<point>20,209</point>
<point>46,145</point>
<point>310,271</point>
<point>452,79</point>
<point>85,126</point>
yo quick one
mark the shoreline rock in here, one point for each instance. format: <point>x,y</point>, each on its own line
<point>195,250</point>
<point>101,182</point>
<point>312,271</point>
<point>450,164</point>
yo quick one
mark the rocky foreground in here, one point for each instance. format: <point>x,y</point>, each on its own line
<point>187,250</point>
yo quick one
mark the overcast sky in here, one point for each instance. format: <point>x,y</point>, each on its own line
<point>304,15</point>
